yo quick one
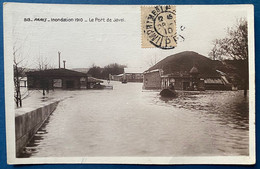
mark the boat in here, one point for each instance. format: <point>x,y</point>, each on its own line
<point>168,93</point>
<point>99,86</point>
<point>108,87</point>
<point>124,80</point>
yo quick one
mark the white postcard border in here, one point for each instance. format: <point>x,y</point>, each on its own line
<point>10,123</point>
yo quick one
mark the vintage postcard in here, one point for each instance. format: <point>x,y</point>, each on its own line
<point>129,84</point>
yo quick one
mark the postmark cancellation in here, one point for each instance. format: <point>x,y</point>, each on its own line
<point>158,24</point>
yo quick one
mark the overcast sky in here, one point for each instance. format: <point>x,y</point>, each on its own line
<point>84,44</point>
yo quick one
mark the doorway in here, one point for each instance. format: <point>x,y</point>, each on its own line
<point>70,84</point>
<point>185,85</point>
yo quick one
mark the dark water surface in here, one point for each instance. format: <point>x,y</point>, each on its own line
<point>128,121</point>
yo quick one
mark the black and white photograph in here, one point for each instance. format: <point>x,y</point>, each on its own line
<point>129,84</point>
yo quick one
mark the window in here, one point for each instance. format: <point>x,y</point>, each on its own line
<point>57,83</point>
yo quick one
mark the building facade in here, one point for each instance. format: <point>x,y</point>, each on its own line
<point>57,78</point>
<point>152,79</point>
<point>129,75</point>
<point>133,74</point>
<point>191,80</point>
<point>189,70</point>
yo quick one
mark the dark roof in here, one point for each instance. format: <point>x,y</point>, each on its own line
<point>194,70</point>
<point>233,66</point>
<point>22,71</point>
<point>184,61</point>
<point>57,72</point>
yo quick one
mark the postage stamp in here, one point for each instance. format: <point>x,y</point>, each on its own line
<point>159,26</point>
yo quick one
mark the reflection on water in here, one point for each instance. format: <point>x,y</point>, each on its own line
<point>127,121</point>
<point>230,107</point>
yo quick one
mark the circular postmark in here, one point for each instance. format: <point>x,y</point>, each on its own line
<point>159,26</point>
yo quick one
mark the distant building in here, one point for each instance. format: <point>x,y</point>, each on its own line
<point>57,78</point>
<point>117,77</point>
<point>130,75</point>
<point>134,74</point>
<point>186,71</point>
<point>23,82</point>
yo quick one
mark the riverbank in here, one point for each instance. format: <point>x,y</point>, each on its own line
<point>34,98</point>
<point>36,109</point>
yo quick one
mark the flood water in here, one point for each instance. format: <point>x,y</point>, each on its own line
<point>129,121</point>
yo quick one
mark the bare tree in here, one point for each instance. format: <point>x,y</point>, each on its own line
<point>234,46</point>
<point>19,67</point>
<point>153,60</point>
<point>215,53</point>
<point>19,73</point>
<point>42,64</point>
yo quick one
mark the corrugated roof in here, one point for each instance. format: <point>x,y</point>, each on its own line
<point>213,81</point>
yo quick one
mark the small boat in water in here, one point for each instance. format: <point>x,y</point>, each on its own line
<point>124,80</point>
<point>168,93</point>
<point>108,87</point>
<point>99,86</point>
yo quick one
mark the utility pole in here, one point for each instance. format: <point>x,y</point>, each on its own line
<point>64,62</point>
<point>59,59</point>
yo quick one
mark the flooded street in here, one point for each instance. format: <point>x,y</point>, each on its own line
<point>129,121</point>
